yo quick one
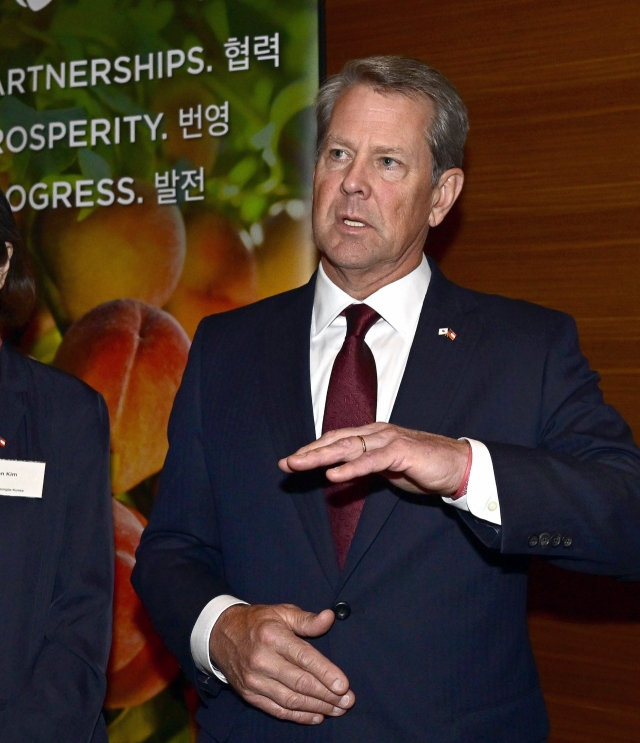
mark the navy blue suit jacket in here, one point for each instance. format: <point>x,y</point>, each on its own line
<point>56,558</point>
<point>436,646</point>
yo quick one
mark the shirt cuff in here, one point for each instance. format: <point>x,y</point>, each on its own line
<point>201,633</point>
<point>481,498</point>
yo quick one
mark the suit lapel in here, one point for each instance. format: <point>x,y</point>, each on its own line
<point>437,365</point>
<point>435,368</point>
<point>12,389</point>
<point>289,411</point>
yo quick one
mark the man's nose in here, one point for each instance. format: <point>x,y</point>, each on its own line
<point>357,180</point>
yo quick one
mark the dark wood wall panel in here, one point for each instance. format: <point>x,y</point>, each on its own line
<point>550,213</point>
<point>551,209</point>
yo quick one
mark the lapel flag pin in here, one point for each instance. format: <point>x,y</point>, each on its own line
<point>3,442</point>
<point>448,332</point>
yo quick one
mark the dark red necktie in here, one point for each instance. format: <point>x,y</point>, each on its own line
<point>351,401</point>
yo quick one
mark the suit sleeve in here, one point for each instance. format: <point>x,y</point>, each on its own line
<point>63,697</point>
<point>580,485</point>
<point>178,563</point>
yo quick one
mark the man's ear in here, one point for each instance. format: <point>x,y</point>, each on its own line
<point>445,195</point>
<point>4,270</point>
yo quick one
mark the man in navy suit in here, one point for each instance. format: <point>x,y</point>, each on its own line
<point>395,614</point>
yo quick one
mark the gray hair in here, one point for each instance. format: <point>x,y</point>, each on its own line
<point>414,79</point>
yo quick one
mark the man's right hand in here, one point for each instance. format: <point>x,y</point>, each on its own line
<point>259,650</point>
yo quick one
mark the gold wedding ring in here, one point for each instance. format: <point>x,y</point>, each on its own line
<point>364,445</point>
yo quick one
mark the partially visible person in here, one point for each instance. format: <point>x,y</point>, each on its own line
<point>56,535</point>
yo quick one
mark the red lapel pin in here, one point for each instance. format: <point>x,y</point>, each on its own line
<point>3,442</point>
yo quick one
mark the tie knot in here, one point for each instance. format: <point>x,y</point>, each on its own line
<point>360,319</point>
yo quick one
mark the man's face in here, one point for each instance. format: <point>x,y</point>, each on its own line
<point>372,193</point>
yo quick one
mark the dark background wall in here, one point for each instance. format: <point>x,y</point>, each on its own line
<point>550,213</point>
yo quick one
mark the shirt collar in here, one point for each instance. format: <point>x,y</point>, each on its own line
<point>399,303</point>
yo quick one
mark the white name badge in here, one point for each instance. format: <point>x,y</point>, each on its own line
<point>22,479</point>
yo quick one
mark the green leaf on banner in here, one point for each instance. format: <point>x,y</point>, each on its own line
<point>78,98</point>
<point>133,725</point>
<point>118,101</point>
<point>243,171</point>
<point>75,23</point>
<point>267,8</point>
<point>92,165</point>
<point>48,161</point>
<point>163,718</point>
<point>87,211</point>
<point>152,16</point>
<point>46,346</point>
<point>290,101</point>
<point>262,93</point>
<point>51,294</point>
<point>15,113</point>
<point>13,40</point>
<point>253,207</point>
<point>264,138</point>
<point>216,15</point>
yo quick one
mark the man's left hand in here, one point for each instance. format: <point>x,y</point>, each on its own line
<point>415,461</point>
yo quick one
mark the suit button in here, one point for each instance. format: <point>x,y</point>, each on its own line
<point>544,539</point>
<point>342,610</point>
<point>567,541</point>
<point>556,540</point>
<point>533,540</point>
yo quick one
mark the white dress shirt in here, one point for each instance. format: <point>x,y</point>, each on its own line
<point>399,305</point>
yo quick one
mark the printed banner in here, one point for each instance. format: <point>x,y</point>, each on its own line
<point>157,155</point>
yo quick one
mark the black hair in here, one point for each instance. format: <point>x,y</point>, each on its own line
<point>17,296</point>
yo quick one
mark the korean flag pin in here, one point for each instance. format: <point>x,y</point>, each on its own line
<point>451,335</point>
<point>3,442</point>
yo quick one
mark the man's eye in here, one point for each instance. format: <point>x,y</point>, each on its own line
<point>338,154</point>
<point>388,162</point>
